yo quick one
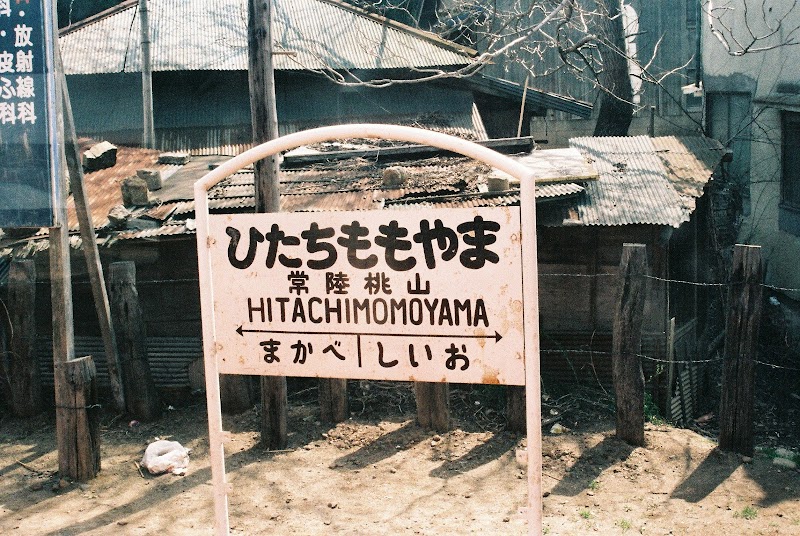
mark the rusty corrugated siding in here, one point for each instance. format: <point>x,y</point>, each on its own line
<point>212,35</point>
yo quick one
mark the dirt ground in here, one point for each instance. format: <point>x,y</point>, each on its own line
<point>379,473</point>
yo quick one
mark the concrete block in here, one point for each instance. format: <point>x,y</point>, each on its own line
<point>152,177</point>
<point>100,156</point>
<point>174,159</point>
<point>134,192</point>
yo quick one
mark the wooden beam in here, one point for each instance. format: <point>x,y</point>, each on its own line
<point>89,244</point>
<point>409,152</point>
<point>515,409</point>
<point>63,345</point>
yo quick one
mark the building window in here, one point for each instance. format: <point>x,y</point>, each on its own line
<point>694,102</point>
<point>790,173</point>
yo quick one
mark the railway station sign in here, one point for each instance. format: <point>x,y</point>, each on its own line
<point>391,294</point>
<point>28,148</point>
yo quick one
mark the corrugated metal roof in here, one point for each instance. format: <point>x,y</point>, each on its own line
<point>463,202</point>
<point>640,181</point>
<point>552,191</point>
<point>212,35</point>
<point>690,162</point>
<point>643,180</point>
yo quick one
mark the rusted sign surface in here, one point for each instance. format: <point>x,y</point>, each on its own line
<point>394,295</point>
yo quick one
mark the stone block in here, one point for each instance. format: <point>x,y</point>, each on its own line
<point>100,156</point>
<point>134,192</point>
<point>497,184</point>
<point>174,159</point>
<point>394,177</point>
<point>152,177</point>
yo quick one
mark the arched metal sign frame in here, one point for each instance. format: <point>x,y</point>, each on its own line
<point>529,274</point>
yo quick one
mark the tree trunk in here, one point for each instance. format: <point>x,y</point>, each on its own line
<point>616,99</point>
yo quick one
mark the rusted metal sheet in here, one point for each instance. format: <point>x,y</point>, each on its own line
<point>212,35</point>
<point>103,186</point>
<point>690,162</point>
<point>635,184</point>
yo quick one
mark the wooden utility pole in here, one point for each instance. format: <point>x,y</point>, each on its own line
<point>142,399</point>
<point>627,342</point>
<point>741,343</point>
<point>264,115</point>
<point>24,380</point>
<point>149,133</point>
<point>89,243</point>
<point>78,447</point>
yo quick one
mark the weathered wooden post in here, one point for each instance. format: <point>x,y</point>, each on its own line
<point>333,400</point>
<point>627,342</point>
<point>264,115</point>
<point>433,405</point>
<point>26,389</point>
<point>515,408</point>
<point>741,340</point>
<point>82,417</point>
<point>89,244</point>
<point>141,397</point>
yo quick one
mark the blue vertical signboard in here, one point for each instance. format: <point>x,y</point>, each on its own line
<point>28,191</point>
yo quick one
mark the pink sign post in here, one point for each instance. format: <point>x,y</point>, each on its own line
<point>444,295</point>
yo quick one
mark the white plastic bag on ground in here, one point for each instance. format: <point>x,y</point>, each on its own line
<point>166,456</point>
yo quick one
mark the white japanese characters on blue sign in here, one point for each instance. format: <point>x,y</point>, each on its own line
<point>27,107</point>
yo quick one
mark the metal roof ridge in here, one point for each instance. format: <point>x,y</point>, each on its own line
<point>97,16</point>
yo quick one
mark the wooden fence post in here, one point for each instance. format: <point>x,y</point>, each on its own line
<point>82,419</point>
<point>515,409</point>
<point>741,340</point>
<point>433,405</point>
<point>141,397</point>
<point>274,411</point>
<point>627,342</point>
<point>25,383</point>
<point>333,405</point>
